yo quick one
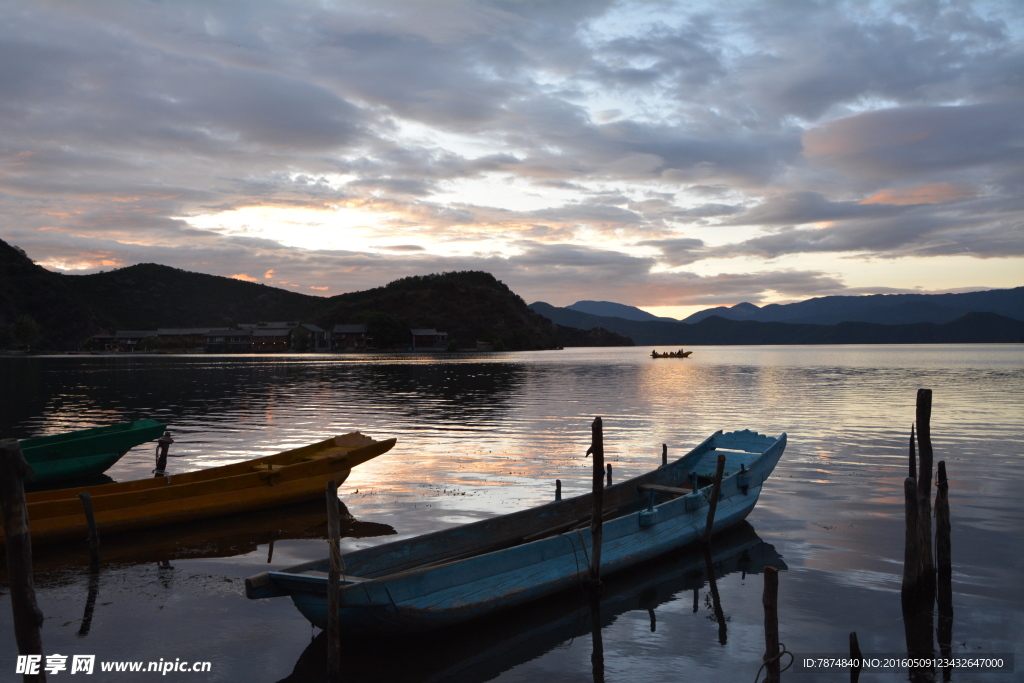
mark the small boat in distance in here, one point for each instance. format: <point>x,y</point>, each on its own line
<point>86,452</point>
<point>671,354</point>
<point>287,477</point>
<point>452,576</point>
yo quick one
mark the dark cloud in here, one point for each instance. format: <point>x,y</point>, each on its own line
<point>557,136</point>
<point>678,252</point>
<point>913,142</point>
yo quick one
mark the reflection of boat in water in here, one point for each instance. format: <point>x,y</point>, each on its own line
<point>228,536</point>
<point>86,452</point>
<point>287,477</point>
<point>671,354</point>
<point>467,572</point>
<point>484,649</point>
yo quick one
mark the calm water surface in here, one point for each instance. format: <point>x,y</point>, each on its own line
<point>485,435</point>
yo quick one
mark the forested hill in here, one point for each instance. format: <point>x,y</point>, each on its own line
<point>468,305</point>
<point>53,311</point>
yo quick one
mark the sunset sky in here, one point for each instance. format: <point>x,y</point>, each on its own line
<point>668,155</point>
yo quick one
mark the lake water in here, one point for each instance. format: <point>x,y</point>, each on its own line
<point>480,435</point>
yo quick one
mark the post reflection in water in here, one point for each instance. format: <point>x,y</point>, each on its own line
<point>488,647</point>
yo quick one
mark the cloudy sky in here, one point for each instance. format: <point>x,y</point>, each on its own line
<point>669,155</point>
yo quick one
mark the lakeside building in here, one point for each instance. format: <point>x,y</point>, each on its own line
<point>262,337</point>
<point>351,337</point>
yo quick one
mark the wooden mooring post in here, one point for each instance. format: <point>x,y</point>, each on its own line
<point>597,450</point>
<point>163,444</point>
<point>333,584</point>
<point>855,657</point>
<point>716,490</point>
<point>28,619</point>
<point>924,495</point>
<point>664,454</point>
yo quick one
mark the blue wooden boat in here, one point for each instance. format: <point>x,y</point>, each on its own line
<point>455,575</point>
<point>86,452</point>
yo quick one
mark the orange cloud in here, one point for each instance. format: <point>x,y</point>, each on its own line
<point>243,276</point>
<point>321,289</point>
<point>269,274</point>
<point>937,193</point>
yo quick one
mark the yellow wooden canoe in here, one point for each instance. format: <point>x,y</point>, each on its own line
<point>287,477</point>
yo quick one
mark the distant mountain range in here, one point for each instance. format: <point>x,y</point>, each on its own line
<point>993,316</point>
<point>886,309</point>
<point>609,309</point>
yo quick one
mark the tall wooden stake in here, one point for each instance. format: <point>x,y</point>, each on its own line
<point>597,495</point>
<point>28,619</point>
<point>770,601</point>
<point>716,490</point>
<point>913,455</point>
<point>664,454</point>
<point>855,656</point>
<point>333,584</point>
<point>924,495</point>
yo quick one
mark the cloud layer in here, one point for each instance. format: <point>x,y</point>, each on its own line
<point>650,153</point>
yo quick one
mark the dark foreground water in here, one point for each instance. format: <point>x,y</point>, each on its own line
<point>485,435</point>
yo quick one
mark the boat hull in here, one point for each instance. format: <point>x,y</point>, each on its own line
<point>446,593</point>
<point>288,477</point>
<point>87,452</point>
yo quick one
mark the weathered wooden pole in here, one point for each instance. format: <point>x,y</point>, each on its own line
<point>664,454</point>
<point>855,656</point>
<point>770,601</point>
<point>163,444</point>
<point>28,619</point>
<point>943,554</point>
<point>608,468</point>
<point>913,454</point>
<point>924,495</point>
<point>333,584</point>
<point>911,548</point>
<point>558,489</point>
<point>716,490</point>
<point>597,495</point>
<point>94,534</point>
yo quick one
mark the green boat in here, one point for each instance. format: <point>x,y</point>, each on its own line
<point>87,452</point>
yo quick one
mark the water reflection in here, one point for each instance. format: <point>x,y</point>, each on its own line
<point>483,650</point>
<point>483,435</point>
<point>212,538</point>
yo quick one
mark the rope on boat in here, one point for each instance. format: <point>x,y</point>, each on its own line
<point>782,651</point>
